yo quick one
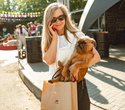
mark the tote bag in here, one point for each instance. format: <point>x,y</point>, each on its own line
<point>59,96</point>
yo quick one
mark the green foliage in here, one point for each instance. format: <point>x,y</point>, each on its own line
<point>24,5</point>
<point>77,4</point>
<point>35,5</point>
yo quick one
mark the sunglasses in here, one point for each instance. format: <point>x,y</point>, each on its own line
<point>60,18</point>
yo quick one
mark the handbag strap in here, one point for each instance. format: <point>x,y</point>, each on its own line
<point>55,74</point>
<point>60,74</point>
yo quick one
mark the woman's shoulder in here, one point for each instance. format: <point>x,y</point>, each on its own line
<point>80,34</point>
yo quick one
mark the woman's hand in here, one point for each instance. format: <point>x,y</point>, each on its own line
<point>54,33</point>
<point>76,72</point>
<point>50,55</point>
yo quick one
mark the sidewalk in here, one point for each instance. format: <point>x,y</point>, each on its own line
<point>105,80</point>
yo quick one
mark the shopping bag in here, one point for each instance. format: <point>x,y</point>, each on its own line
<point>59,96</point>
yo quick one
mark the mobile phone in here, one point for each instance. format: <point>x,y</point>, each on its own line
<point>52,27</point>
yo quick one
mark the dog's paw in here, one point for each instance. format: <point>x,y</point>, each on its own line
<point>60,65</point>
<point>50,81</point>
<point>67,79</point>
<point>64,73</point>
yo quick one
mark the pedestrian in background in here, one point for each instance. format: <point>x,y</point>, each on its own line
<point>22,34</point>
<point>33,29</point>
<point>39,28</point>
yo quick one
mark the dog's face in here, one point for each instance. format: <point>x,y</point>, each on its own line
<point>85,45</point>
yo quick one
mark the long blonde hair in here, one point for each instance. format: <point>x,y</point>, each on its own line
<point>48,16</point>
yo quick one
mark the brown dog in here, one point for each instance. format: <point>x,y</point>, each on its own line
<point>82,55</point>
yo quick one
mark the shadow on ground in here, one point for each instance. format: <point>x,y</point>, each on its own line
<point>98,97</point>
<point>44,67</point>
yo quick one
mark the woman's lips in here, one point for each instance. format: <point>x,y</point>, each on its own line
<point>58,25</point>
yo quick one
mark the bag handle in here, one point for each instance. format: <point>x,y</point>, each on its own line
<point>57,75</point>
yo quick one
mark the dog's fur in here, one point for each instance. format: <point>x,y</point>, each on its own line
<point>82,55</point>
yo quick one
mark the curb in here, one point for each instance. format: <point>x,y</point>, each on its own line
<point>30,83</point>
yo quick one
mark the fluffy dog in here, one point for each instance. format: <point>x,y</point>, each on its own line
<point>82,55</point>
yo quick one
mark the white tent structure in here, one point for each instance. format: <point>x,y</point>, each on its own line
<point>92,10</point>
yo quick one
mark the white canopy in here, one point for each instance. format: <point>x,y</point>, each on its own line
<point>92,10</point>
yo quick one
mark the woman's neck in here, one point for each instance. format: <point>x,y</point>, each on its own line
<point>60,32</point>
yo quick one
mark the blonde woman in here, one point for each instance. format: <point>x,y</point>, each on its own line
<point>58,42</point>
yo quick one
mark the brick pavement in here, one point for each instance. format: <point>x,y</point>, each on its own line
<point>105,80</point>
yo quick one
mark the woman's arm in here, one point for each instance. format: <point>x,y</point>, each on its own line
<point>50,56</point>
<point>94,60</point>
<point>96,57</point>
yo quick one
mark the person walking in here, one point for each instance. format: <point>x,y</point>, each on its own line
<point>39,28</point>
<point>58,41</point>
<point>22,33</point>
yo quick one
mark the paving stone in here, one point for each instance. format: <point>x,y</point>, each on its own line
<point>115,108</point>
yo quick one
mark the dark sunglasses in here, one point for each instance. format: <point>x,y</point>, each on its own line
<point>60,18</point>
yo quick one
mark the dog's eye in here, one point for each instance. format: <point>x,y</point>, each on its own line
<point>79,42</point>
<point>84,42</point>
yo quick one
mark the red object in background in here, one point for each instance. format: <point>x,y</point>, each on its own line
<point>52,27</point>
<point>8,47</point>
<point>10,38</point>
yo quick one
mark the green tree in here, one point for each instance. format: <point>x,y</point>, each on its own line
<point>77,4</point>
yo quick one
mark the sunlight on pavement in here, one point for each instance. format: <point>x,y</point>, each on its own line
<point>8,57</point>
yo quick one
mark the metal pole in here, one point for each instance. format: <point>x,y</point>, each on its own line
<point>65,2</point>
<point>60,1</point>
<point>98,23</point>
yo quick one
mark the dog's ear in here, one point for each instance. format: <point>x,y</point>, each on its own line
<point>94,42</point>
<point>60,65</point>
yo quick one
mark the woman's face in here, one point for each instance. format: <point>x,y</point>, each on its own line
<point>59,24</point>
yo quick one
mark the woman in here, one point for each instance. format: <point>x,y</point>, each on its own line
<point>59,43</point>
<point>9,37</point>
<point>22,33</point>
<point>29,29</point>
<point>33,28</point>
<point>24,27</point>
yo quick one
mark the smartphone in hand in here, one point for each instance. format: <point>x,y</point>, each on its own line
<point>52,27</point>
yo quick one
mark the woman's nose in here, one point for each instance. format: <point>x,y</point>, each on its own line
<point>57,21</point>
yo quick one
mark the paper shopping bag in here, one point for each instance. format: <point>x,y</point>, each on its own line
<point>59,96</point>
